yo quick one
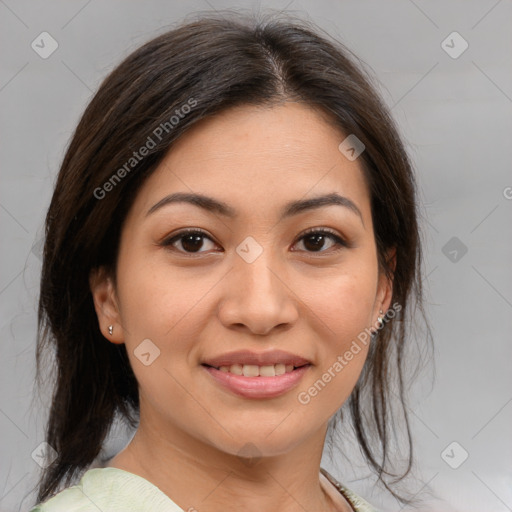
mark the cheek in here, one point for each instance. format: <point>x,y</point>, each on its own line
<point>168,309</point>
<point>343,311</point>
<point>155,299</point>
<point>344,303</point>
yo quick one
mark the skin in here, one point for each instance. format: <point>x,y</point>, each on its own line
<point>202,304</point>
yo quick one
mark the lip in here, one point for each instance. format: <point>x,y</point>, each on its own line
<point>258,387</point>
<point>254,358</point>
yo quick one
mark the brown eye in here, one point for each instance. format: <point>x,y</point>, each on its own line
<point>316,240</point>
<point>190,241</point>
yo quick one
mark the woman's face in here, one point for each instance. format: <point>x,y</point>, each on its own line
<point>252,281</point>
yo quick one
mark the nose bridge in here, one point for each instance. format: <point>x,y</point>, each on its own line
<point>257,297</point>
<point>256,270</point>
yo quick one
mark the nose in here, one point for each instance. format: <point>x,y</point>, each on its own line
<point>257,297</point>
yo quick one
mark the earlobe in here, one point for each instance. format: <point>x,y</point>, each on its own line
<point>106,305</point>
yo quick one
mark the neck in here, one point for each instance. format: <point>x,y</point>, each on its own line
<point>198,476</point>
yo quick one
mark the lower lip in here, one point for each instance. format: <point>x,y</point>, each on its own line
<point>258,387</point>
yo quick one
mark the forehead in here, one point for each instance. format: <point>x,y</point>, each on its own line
<point>259,157</point>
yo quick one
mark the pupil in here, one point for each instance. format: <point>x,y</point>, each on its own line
<point>318,241</point>
<point>192,243</point>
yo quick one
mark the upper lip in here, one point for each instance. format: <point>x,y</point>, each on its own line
<point>260,359</point>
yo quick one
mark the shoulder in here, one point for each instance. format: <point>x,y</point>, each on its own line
<point>70,499</point>
<point>358,503</point>
<point>109,490</point>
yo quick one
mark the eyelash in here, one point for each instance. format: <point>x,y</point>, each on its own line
<point>339,242</point>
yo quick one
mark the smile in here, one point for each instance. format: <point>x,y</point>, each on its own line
<point>252,370</point>
<point>257,382</point>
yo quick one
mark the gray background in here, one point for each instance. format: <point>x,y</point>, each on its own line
<point>455,114</point>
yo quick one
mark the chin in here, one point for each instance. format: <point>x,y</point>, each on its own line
<point>257,443</point>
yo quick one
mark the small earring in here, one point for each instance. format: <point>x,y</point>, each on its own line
<point>380,319</point>
<point>110,329</point>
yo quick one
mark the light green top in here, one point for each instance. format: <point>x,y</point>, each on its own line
<point>116,490</point>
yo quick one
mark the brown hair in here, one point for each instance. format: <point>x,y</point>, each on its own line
<point>218,63</point>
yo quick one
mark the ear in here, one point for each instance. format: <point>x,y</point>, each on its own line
<point>106,304</point>
<point>385,285</point>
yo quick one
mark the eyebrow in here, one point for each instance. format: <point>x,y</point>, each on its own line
<point>293,208</point>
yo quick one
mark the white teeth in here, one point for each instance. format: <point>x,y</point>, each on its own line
<point>280,369</point>
<point>237,369</point>
<point>252,370</point>
<point>267,371</point>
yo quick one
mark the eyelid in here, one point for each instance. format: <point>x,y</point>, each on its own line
<point>321,230</point>
<point>168,239</point>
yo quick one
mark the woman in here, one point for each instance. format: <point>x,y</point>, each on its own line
<point>231,247</point>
